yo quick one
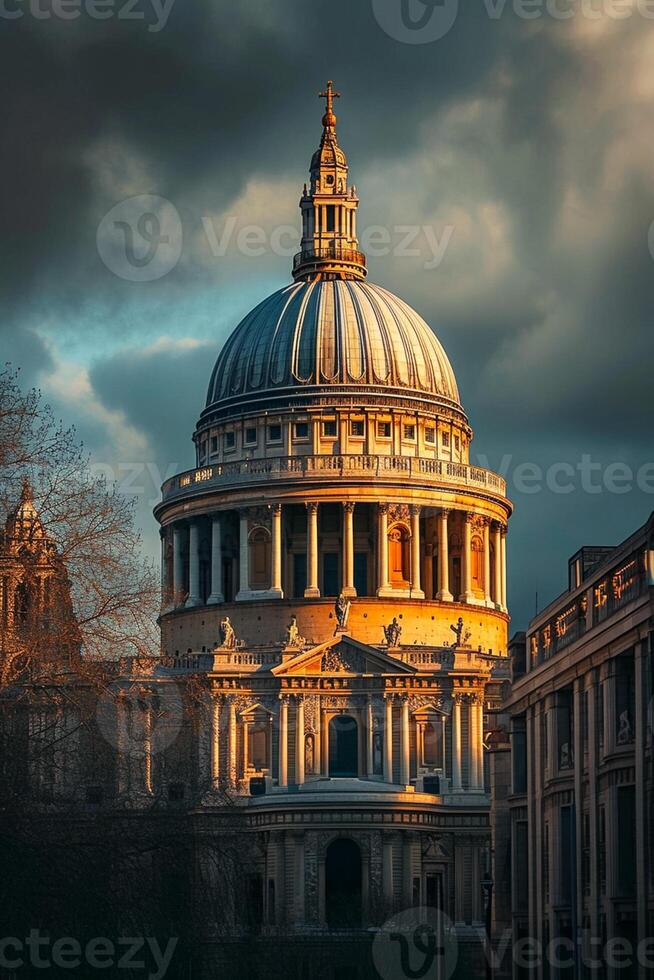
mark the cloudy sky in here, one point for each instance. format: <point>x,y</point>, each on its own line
<point>524,145</point>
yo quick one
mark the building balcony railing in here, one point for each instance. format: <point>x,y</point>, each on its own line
<point>290,469</point>
<point>333,252</point>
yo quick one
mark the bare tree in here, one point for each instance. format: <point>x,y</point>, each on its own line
<point>76,582</point>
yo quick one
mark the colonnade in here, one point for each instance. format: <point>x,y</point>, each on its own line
<point>374,721</point>
<point>421,562</point>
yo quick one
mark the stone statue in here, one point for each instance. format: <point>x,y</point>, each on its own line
<point>392,633</point>
<point>227,634</point>
<point>293,638</point>
<point>625,733</point>
<point>308,754</point>
<point>461,637</point>
<point>377,753</point>
<point>342,610</point>
<point>565,761</point>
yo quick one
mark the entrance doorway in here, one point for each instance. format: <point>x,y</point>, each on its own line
<point>343,884</point>
<point>343,747</point>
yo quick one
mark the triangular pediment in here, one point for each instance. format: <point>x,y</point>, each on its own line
<point>342,655</point>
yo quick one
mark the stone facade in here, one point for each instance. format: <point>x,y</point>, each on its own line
<point>572,776</point>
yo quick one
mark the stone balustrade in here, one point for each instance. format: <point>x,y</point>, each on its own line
<point>294,469</point>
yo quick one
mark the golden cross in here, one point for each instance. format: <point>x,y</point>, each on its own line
<point>330,95</point>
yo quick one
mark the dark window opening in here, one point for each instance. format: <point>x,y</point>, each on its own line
<point>343,748</point>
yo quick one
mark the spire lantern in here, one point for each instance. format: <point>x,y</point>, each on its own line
<point>329,247</point>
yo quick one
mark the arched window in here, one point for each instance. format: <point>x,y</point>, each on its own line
<point>477,564</point>
<point>259,544</point>
<point>399,556</point>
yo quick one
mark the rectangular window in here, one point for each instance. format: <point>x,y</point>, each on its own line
<point>627,838</point>
<point>521,864</point>
<point>599,712</point>
<point>357,428</point>
<point>384,430</point>
<point>566,854</point>
<point>564,728</point>
<point>251,436</point>
<point>545,741</point>
<point>456,444</point>
<point>274,433</point>
<point>329,428</point>
<point>430,435</point>
<point>445,439</point>
<point>625,700</point>
<point>230,440</point>
<point>410,432</point>
<point>214,444</point>
<point>331,217</point>
<point>301,430</point>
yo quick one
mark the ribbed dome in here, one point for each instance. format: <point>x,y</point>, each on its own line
<point>332,332</point>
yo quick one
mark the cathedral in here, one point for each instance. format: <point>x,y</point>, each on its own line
<point>334,629</point>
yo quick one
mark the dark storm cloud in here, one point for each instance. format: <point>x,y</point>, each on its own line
<point>508,129</point>
<point>161,393</point>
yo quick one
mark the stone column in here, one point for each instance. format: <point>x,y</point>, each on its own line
<point>283,742</point>
<point>444,594</point>
<point>276,585</point>
<point>194,598</point>
<point>370,754</point>
<point>382,548</point>
<point>165,582</point>
<point>497,562</point>
<point>466,550</point>
<point>312,591</point>
<point>643,814</point>
<point>299,741</point>
<point>388,740</point>
<point>457,783</point>
<point>216,562</point>
<point>178,567</point>
<point>348,549</point>
<point>416,590</point>
<point>404,736</point>
<point>503,548</point>
<point>122,744</point>
<point>473,739</point>
<point>244,559</point>
<point>231,740</point>
<point>487,565</point>
<point>215,743</point>
<point>593,700</point>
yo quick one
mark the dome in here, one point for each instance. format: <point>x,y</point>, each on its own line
<point>332,332</point>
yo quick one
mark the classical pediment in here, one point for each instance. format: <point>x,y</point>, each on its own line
<point>342,655</point>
